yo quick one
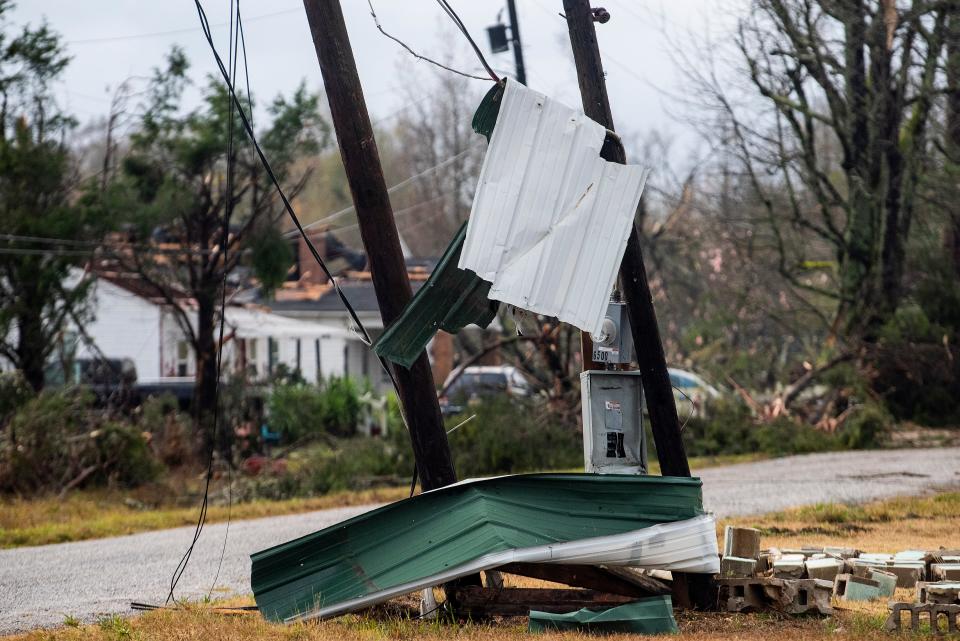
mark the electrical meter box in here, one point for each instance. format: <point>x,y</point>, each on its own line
<point>613,437</point>
<point>614,342</point>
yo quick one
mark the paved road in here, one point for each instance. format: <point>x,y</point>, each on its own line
<point>40,585</point>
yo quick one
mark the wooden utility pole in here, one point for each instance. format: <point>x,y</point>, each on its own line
<point>379,232</point>
<point>633,275</point>
<point>688,589</point>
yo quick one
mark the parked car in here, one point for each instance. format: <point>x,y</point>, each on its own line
<point>691,392</point>
<point>482,381</point>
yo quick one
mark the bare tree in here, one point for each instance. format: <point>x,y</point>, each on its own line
<point>834,141</point>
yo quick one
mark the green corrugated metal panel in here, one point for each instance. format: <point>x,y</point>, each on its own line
<point>445,528</point>
<point>485,117</point>
<point>646,616</point>
<point>451,299</point>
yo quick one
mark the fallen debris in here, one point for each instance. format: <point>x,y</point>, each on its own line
<point>800,596</point>
<point>550,218</point>
<point>430,539</point>
<point>646,616</point>
<point>851,587</point>
<point>935,613</point>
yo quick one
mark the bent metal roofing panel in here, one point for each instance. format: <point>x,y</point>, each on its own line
<point>550,218</point>
<point>639,521</point>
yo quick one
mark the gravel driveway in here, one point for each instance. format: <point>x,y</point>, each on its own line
<point>39,586</point>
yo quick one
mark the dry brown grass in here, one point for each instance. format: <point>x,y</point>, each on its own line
<point>98,514</point>
<point>93,514</point>
<point>922,522</point>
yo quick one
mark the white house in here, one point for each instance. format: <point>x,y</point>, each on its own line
<point>130,323</point>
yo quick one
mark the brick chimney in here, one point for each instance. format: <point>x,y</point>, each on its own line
<point>310,272</point>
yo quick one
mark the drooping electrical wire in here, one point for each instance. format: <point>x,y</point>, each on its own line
<point>376,21</point>
<point>466,34</point>
<point>233,40</point>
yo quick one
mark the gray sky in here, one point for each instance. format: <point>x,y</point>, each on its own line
<point>111,40</point>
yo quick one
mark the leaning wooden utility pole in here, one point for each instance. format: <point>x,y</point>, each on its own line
<point>633,275</point>
<point>690,589</point>
<point>379,232</point>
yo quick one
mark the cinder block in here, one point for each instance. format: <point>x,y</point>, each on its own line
<point>788,569</point>
<point>887,581</point>
<point>741,542</point>
<point>943,619</point>
<point>764,564</point>
<point>945,571</point>
<point>788,596</point>
<point>939,592</point>
<point>908,573</point>
<point>823,569</point>
<point>843,553</point>
<point>855,588</point>
<point>735,567</point>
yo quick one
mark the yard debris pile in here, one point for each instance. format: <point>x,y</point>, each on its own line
<point>807,579</point>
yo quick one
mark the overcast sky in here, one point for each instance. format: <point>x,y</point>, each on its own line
<point>111,40</point>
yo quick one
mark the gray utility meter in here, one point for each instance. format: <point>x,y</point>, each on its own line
<point>613,438</point>
<point>614,343</point>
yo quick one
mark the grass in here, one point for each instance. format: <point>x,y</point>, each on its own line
<point>101,513</point>
<point>92,514</point>
<point>885,526</point>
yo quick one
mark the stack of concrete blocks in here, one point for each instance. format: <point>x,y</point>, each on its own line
<point>909,567</point>
<point>741,551</point>
<point>751,581</point>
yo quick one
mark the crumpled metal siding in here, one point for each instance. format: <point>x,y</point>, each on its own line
<point>451,299</point>
<point>550,218</point>
<point>372,556</point>
<point>653,615</point>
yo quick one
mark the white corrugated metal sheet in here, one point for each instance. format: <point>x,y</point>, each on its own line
<point>550,218</point>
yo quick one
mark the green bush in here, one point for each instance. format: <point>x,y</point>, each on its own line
<point>508,436</point>
<point>865,428</point>
<point>300,410</point>
<point>14,392</point>
<point>729,428</point>
<point>53,442</point>
<point>353,463</point>
<point>121,456</point>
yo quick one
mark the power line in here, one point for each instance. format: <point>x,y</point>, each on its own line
<point>176,32</point>
<point>390,190</point>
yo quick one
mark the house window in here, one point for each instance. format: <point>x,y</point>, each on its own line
<point>183,358</point>
<point>273,354</point>
<point>251,356</point>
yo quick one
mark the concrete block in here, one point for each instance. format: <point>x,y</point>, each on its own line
<point>788,596</point>
<point>943,619</point>
<point>823,569</point>
<point>788,569</point>
<point>908,572</point>
<point>887,581</point>
<point>843,553</point>
<point>910,555</point>
<point>945,571</point>
<point>939,592</point>
<point>764,564</point>
<point>855,588</point>
<point>734,567</point>
<point>880,557</point>
<point>741,542</point>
